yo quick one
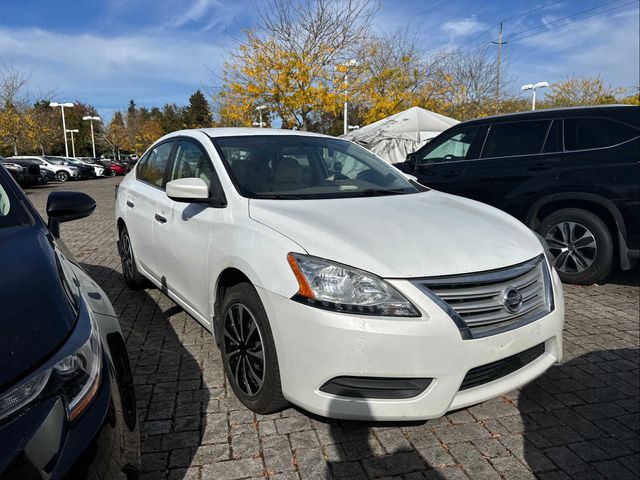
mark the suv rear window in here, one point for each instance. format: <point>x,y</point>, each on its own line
<point>515,138</point>
<point>586,133</point>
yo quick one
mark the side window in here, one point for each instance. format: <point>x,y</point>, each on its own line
<point>456,146</point>
<point>585,133</point>
<point>553,143</point>
<point>191,162</point>
<point>151,168</point>
<point>515,138</point>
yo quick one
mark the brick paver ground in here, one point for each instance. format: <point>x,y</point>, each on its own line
<point>580,420</point>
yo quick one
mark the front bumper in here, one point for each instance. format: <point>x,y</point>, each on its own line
<point>315,346</point>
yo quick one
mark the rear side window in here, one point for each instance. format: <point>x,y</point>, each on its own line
<point>586,133</point>
<point>151,168</point>
<point>516,138</point>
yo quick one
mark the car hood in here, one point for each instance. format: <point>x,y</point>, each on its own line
<point>36,315</point>
<point>402,236</point>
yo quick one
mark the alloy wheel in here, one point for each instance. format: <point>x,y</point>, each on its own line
<point>572,246</point>
<point>127,256</point>
<point>62,176</point>
<point>243,349</point>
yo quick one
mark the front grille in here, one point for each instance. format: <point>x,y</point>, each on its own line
<point>495,370</point>
<point>489,303</point>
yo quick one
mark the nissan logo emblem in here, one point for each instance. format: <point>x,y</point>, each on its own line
<point>512,299</point>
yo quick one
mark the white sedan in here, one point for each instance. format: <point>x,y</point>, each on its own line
<point>332,281</point>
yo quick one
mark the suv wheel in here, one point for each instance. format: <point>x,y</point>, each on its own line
<point>248,351</point>
<point>132,277</point>
<point>62,176</point>
<point>580,244</point>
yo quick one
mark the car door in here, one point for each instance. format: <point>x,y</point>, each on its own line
<point>520,161</point>
<point>187,237</point>
<point>441,163</point>
<point>143,203</point>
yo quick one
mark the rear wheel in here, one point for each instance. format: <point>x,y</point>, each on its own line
<point>248,351</point>
<point>580,244</point>
<point>62,176</point>
<point>133,278</point>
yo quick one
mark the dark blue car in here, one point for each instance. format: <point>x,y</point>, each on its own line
<point>67,404</point>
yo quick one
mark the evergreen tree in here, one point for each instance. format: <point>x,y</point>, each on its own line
<point>198,114</point>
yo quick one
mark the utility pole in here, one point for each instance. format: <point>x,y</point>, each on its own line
<point>499,43</point>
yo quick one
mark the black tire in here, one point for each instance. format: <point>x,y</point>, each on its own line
<point>241,358</point>
<point>587,255</point>
<point>62,176</point>
<point>132,277</point>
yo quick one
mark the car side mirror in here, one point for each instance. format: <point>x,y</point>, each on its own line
<point>67,206</point>
<point>188,190</point>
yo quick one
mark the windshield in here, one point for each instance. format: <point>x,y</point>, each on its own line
<point>302,167</point>
<point>12,212</point>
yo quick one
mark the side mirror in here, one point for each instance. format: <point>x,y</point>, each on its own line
<point>187,190</point>
<point>66,206</point>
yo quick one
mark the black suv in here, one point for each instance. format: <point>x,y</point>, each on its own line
<point>570,174</point>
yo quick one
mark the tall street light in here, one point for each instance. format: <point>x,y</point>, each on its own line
<point>260,108</point>
<point>64,127</point>
<point>534,86</point>
<point>73,146</point>
<point>347,66</point>
<point>91,119</point>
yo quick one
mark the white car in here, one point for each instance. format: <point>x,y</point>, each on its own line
<point>62,170</point>
<point>331,281</point>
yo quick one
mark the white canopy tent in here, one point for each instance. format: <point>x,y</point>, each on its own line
<point>392,138</point>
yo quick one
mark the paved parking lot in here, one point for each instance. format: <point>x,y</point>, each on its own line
<point>580,420</point>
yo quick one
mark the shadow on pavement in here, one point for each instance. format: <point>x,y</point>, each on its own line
<point>171,393</point>
<point>629,278</point>
<point>582,418</point>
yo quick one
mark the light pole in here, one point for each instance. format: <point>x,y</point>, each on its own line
<point>93,142</point>
<point>64,127</point>
<point>534,86</point>
<point>260,108</point>
<point>73,145</point>
<point>347,65</point>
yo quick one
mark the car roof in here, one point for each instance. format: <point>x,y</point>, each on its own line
<point>239,132</point>
<point>552,113</point>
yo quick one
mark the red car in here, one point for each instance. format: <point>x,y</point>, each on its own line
<point>113,168</point>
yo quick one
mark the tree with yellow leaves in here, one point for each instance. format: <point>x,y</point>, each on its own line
<point>289,63</point>
<point>577,90</point>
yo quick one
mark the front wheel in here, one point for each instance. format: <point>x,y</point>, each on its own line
<point>580,245</point>
<point>248,351</point>
<point>62,176</point>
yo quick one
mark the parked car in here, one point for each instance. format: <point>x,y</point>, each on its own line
<point>98,170</point>
<point>570,174</point>
<point>84,171</point>
<point>47,175</point>
<point>63,171</point>
<point>117,168</point>
<point>67,403</point>
<point>25,174</point>
<point>332,281</point>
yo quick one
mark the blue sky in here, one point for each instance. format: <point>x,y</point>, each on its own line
<point>160,51</point>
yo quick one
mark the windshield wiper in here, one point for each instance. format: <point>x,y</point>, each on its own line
<point>370,192</point>
<point>279,197</point>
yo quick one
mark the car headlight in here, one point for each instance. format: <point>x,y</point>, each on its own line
<point>75,378</point>
<point>547,252</point>
<point>333,286</point>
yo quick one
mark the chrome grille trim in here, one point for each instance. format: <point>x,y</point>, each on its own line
<point>476,301</point>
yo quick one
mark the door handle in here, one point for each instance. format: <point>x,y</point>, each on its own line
<point>160,218</point>
<point>130,204</point>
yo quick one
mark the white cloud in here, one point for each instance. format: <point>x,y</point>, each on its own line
<point>108,70</point>
<point>463,27</point>
<point>601,45</point>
